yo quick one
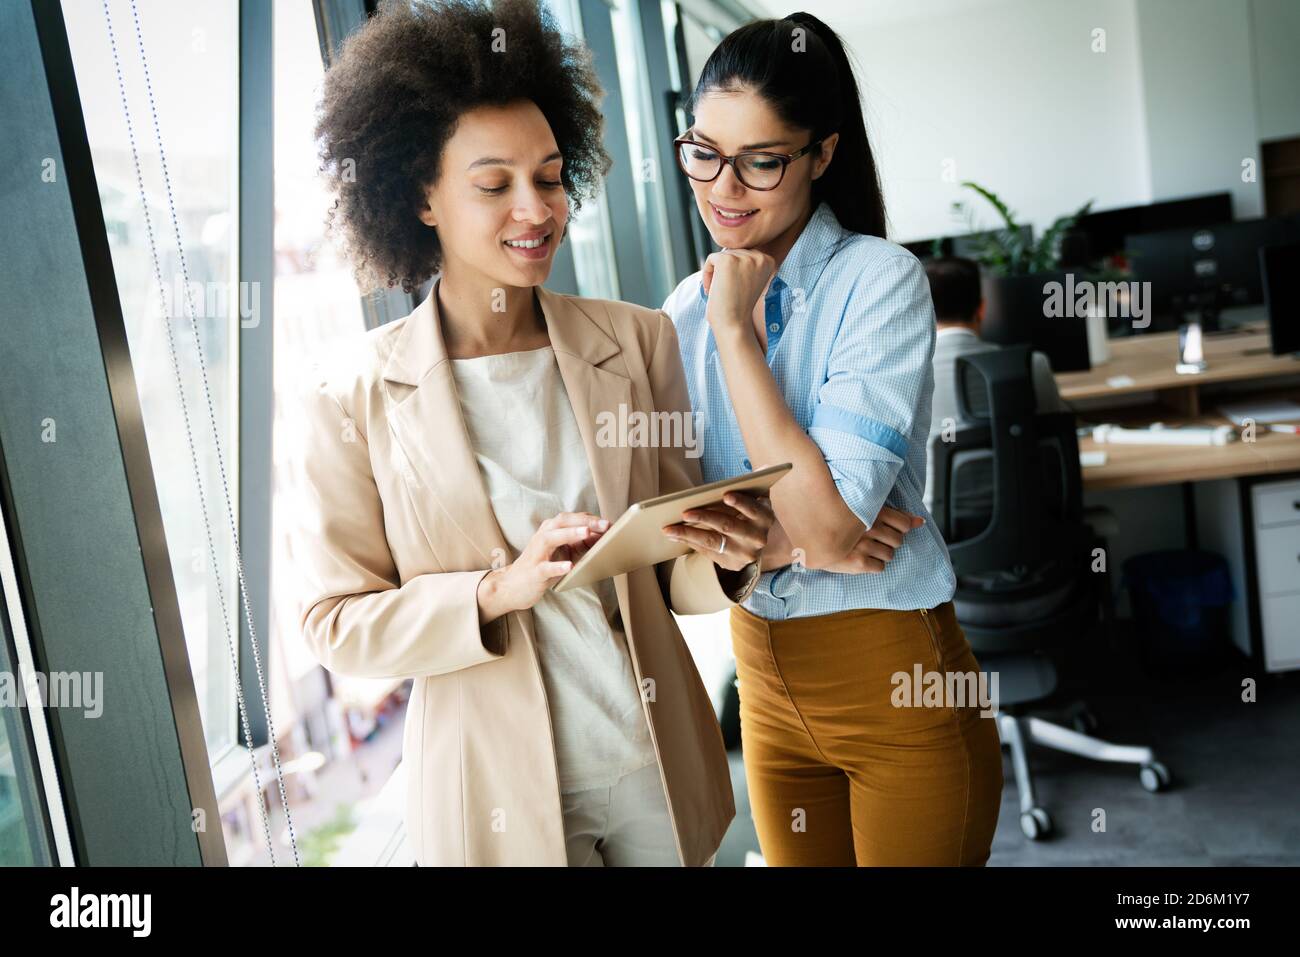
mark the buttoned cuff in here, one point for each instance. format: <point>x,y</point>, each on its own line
<point>748,576</point>
<point>694,588</point>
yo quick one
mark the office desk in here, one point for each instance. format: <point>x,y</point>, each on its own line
<point>1137,466</point>
<point>1146,363</point>
<point>1228,508</point>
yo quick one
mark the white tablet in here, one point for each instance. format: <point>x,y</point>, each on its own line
<point>637,539</point>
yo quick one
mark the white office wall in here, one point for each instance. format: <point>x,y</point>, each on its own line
<point>1009,95</point>
<point>1276,36</point>
<point>1199,91</point>
<point>1011,92</point>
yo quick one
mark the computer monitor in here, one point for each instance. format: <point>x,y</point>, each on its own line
<point>967,245</point>
<point>1101,234</point>
<point>1206,270</point>
<point>1279,269</point>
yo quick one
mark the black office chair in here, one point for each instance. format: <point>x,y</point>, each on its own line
<point>1008,500</point>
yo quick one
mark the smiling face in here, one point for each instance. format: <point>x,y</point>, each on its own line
<point>498,204</point>
<point>738,217</point>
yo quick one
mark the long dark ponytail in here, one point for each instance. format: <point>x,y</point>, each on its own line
<point>801,67</point>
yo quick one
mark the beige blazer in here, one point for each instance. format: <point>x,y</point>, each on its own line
<point>394,531</point>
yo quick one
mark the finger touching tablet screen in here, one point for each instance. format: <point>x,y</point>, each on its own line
<point>637,540</point>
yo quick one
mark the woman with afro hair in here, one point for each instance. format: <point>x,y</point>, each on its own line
<point>454,464</point>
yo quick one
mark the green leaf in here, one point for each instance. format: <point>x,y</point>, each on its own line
<point>996,202</point>
<point>1047,256</point>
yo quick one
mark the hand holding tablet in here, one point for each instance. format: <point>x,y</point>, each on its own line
<point>732,533</point>
<point>637,539</point>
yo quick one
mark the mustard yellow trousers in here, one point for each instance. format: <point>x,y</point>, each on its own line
<point>845,764</point>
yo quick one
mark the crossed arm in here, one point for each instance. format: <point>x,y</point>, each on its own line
<point>848,459</point>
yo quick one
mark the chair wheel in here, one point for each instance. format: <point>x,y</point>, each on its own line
<point>1154,777</point>
<point>1036,823</point>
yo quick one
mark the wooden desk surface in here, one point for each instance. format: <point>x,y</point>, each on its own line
<point>1148,360</point>
<point>1135,466</point>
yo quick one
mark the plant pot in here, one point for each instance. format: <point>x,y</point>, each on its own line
<point>1015,311</point>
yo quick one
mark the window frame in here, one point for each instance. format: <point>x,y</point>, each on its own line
<point>109,607</point>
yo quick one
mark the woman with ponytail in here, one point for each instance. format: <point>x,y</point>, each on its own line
<point>809,340</point>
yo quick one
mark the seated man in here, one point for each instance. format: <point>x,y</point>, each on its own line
<point>958,310</point>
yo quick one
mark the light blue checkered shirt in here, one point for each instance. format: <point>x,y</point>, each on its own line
<point>850,340</point>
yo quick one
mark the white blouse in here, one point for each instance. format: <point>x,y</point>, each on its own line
<point>534,465</point>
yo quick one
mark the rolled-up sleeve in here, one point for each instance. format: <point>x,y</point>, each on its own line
<point>878,367</point>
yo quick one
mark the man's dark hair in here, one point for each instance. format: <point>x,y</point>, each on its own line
<point>391,101</point>
<point>954,287</point>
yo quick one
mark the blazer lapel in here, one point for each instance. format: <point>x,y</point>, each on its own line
<point>426,420</point>
<point>600,391</point>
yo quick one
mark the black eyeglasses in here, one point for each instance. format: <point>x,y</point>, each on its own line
<point>757,169</point>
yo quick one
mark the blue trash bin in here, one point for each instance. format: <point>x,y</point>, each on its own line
<point>1180,600</point>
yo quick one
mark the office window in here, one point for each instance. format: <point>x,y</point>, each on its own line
<point>590,236</point>
<point>317,303</point>
<point>700,37</point>
<point>22,831</point>
<point>192,52</point>
<point>648,174</point>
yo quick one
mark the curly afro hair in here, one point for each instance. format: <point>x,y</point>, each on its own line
<point>393,96</point>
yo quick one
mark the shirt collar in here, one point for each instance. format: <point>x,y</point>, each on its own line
<point>955,330</point>
<point>818,242</point>
<point>803,265</point>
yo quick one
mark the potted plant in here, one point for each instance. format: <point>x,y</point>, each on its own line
<point>1016,270</point>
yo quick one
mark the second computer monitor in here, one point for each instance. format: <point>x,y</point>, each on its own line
<point>967,245</point>
<point>1096,236</point>
<point>1279,268</point>
<point>1207,269</point>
